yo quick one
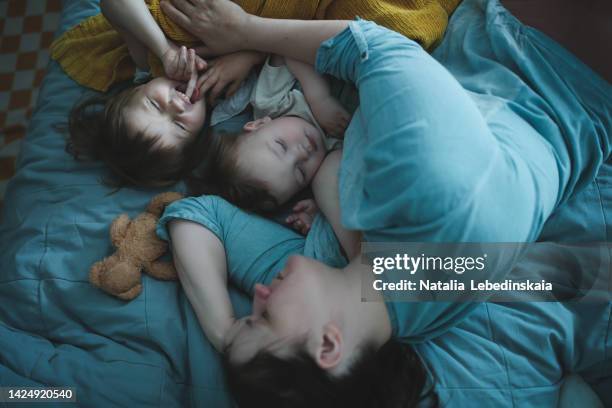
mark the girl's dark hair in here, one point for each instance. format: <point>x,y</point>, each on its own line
<point>392,376</point>
<point>98,131</point>
<point>222,176</point>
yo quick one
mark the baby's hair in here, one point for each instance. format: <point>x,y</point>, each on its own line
<point>223,177</point>
<point>98,131</point>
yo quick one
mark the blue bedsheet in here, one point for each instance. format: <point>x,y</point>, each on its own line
<point>58,330</point>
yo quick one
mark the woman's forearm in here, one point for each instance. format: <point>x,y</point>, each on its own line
<point>297,39</point>
<point>199,258</point>
<point>224,27</point>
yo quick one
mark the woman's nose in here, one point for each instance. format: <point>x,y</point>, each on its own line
<point>260,300</point>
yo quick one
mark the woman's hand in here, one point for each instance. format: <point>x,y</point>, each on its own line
<point>220,24</point>
<point>181,63</point>
<point>227,72</point>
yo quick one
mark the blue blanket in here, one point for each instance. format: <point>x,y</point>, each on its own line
<point>58,330</point>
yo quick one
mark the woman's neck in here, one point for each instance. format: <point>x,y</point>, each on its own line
<point>367,320</point>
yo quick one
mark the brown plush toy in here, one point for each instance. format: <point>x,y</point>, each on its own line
<point>138,248</point>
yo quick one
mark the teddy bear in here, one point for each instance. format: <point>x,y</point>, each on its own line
<point>138,248</point>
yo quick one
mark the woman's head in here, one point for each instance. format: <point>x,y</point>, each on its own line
<point>310,341</point>
<point>390,376</point>
<point>147,134</point>
<point>267,164</point>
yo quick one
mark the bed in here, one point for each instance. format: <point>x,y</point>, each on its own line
<point>58,330</point>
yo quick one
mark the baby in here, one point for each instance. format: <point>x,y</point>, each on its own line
<point>284,149</point>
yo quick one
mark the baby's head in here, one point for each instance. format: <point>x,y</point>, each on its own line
<point>267,164</point>
<point>148,135</point>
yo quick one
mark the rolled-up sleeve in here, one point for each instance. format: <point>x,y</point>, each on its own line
<point>420,162</point>
<point>256,249</point>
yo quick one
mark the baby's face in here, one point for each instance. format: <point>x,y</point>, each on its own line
<point>283,154</point>
<point>160,109</point>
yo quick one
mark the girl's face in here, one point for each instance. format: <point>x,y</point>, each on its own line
<point>283,154</point>
<point>160,109</point>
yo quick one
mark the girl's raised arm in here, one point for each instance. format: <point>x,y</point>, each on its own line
<point>132,19</point>
<point>136,25</point>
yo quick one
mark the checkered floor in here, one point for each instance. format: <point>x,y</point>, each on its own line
<point>27,28</point>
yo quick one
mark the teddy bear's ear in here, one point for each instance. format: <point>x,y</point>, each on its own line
<point>160,201</point>
<point>118,229</point>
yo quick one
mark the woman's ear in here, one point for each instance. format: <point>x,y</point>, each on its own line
<point>329,350</point>
<point>256,124</point>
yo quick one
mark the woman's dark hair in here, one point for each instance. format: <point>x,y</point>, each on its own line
<point>98,131</point>
<point>392,376</point>
<point>222,176</point>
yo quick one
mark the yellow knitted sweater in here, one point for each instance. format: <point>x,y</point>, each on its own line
<point>94,54</point>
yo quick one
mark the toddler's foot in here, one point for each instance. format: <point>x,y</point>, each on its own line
<point>332,117</point>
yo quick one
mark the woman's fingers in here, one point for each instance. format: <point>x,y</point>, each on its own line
<point>178,15</point>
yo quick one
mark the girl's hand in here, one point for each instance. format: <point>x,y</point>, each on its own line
<point>303,215</point>
<point>227,73</point>
<point>181,63</point>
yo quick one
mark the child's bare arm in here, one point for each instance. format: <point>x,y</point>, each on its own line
<point>200,261</point>
<point>325,190</point>
<point>330,114</point>
<point>135,23</point>
<point>137,27</point>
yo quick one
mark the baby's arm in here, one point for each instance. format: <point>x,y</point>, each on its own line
<point>200,261</point>
<point>135,24</point>
<point>325,190</point>
<point>330,114</point>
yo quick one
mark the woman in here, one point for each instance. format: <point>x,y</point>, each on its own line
<point>422,163</point>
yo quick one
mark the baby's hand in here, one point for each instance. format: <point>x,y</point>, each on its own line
<point>181,63</point>
<point>303,214</point>
<point>330,114</point>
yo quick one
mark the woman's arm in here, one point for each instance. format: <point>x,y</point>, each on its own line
<point>224,27</point>
<point>325,190</point>
<point>200,261</point>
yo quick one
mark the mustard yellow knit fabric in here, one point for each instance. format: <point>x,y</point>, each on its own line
<point>94,54</point>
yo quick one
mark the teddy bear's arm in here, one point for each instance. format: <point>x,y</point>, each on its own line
<point>160,201</point>
<point>118,229</point>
